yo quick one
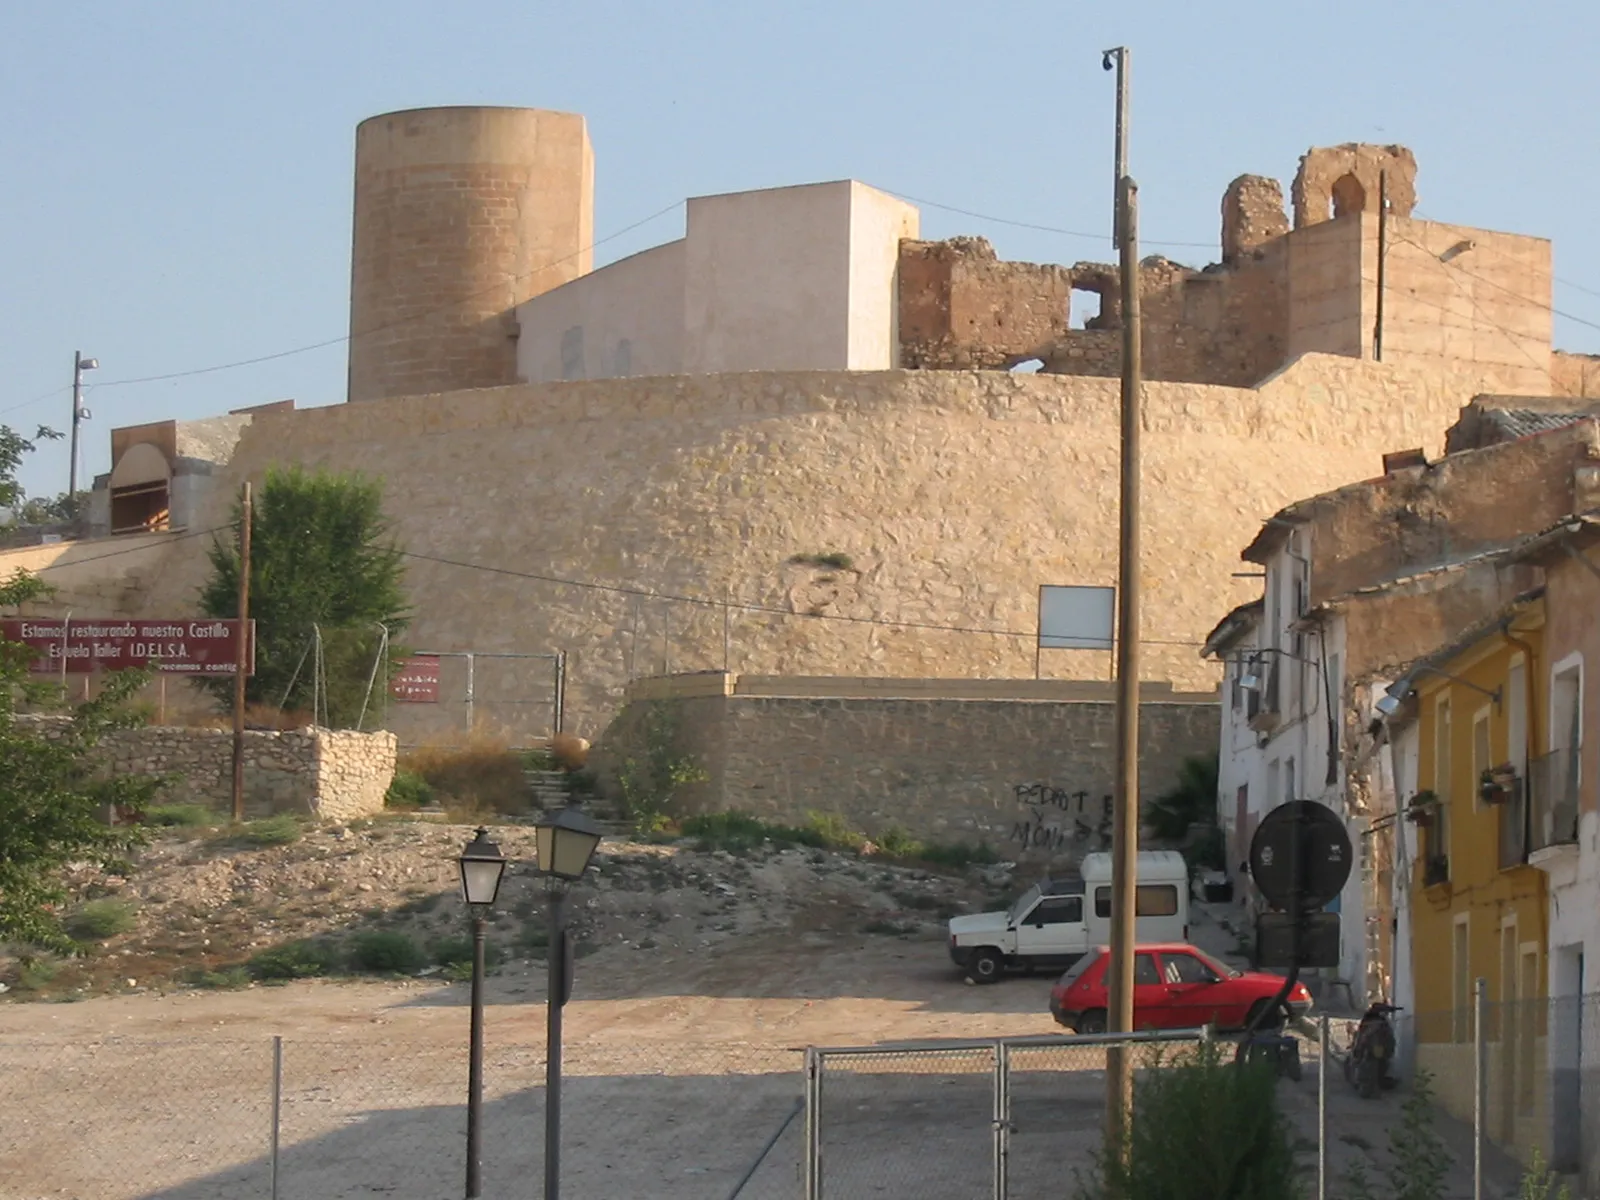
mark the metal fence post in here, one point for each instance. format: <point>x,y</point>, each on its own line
<point>1322,1107</point>
<point>1480,1080</point>
<point>1002,1118</point>
<point>277,1107</point>
<point>813,1094</point>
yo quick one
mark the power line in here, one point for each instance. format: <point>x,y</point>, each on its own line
<point>741,605</point>
<point>422,316</point>
<point>1077,233</point>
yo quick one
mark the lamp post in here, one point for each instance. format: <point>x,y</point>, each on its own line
<point>80,414</point>
<point>566,842</point>
<point>482,865</point>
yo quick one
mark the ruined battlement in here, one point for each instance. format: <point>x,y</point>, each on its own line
<point>1454,297</point>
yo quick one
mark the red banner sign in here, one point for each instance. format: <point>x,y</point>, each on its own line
<point>418,681</point>
<point>80,645</point>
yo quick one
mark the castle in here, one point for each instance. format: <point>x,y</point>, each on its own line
<point>792,442</point>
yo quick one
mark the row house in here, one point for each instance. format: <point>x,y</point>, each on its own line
<point>1418,662</point>
<point>1357,583</point>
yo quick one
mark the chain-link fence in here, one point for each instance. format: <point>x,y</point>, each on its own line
<point>193,1119</point>
<point>1008,1118</point>
<point>220,1118</point>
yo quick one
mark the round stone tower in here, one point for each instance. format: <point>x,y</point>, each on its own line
<point>460,215</point>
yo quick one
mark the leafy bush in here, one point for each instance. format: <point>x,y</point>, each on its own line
<point>456,952</point>
<point>478,773</point>
<point>1203,1127</point>
<point>295,960</point>
<point>408,790</point>
<point>281,830</point>
<point>832,832</point>
<point>227,979</point>
<point>37,974</point>
<point>1418,1159</point>
<point>188,816</point>
<point>385,950</point>
<point>651,782</point>
<point>100,919</point>
<point>1192,799</point>
<point>959,854</point>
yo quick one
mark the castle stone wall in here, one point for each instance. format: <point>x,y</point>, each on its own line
<point>953,496</point>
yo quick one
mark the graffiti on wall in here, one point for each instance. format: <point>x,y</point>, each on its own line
<point>1055,819</point>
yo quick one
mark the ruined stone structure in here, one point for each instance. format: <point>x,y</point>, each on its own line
<point>1453,298</point>
<point>784,444</point>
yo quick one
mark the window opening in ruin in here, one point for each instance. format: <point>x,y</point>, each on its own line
<point>1029,366</point>
<point>1348,196</point>
<point>1087,305</point>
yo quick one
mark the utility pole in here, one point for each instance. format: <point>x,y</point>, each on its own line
<point>1117,58</point>
<point>1125,818</point>
<point>1383,248</point>
<point>80,364</point>
<point>241,662</point>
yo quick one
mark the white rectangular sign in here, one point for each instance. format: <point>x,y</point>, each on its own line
<point>1077,618</point>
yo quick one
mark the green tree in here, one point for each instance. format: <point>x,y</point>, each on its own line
<point>321,559</point>
<point>13,448</point>
<point>52,802</point>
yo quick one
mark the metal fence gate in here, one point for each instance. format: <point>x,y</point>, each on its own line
<point>1009,1118</point>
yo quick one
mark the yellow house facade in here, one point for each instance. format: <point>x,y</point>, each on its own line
<point>1478,910</point>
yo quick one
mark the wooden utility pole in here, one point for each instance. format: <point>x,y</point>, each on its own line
<point>1125,820</point>
<point>1383,249</point>
<point>241,664</point>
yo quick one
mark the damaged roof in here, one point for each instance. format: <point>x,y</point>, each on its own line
<point>1232,627</point>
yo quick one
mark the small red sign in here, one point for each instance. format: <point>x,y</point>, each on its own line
<point>418,680</point>
<point>80,645</point>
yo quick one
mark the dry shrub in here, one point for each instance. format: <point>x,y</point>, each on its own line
<point>477,773</point>
<point>256,716</point>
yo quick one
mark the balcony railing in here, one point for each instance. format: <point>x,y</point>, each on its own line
<point>1553,800</point>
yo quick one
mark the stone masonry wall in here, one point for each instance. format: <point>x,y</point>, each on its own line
<point>954,496</point>
<point>336,775</point>
<point>1032,777</point>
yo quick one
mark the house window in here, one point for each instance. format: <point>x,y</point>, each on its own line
<point>1461,980</point>
<point>1513,813</point>
<point>1481,760</point>
<point>1288,780</point>
<point>1437,844</point>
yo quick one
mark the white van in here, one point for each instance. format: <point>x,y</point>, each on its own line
<point>1055,921</point>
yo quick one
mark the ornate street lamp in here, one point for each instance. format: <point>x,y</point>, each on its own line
<point>566,842</point>
<point>482,866</point>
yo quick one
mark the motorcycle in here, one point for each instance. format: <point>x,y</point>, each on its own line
<point>1367,1065</point>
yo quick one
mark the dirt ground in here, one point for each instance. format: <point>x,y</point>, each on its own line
<point>683,1044</point>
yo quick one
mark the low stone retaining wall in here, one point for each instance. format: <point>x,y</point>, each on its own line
<point>1024,765</point>
<point>337,774</point>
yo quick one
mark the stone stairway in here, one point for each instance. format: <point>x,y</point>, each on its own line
<point>551,792</point>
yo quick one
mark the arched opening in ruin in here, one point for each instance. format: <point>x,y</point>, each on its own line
<point>1348,196</point>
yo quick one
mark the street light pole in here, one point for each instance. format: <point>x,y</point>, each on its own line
<point>475,1064</point>
<point>80,364</point>
<point>566,842</point>
<point>556,973</point>
<point>482,866</point>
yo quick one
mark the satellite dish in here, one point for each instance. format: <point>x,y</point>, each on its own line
<point>1300,856</point>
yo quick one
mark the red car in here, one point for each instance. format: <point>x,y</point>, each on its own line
<point>1175,986</point>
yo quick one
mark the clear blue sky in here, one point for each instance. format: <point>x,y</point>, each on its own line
<point>177,177</point>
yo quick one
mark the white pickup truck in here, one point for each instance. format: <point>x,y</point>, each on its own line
<point>1055,921</point>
